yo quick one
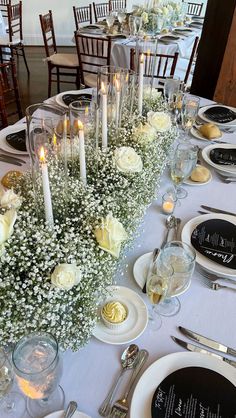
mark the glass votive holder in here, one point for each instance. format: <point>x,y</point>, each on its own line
<point>168,203</point>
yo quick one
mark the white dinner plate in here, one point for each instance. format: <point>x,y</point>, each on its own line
<point>59,96</point>
<point>190,182</point>
<point>142,397</point>
<point>203,261</point>
<point>10,130</point>
<point>135,324</point>
<point>197,134</point>
<point>205,118</point>
<point>60,414</point>
<point>140,271</point>
<point>225,169</point>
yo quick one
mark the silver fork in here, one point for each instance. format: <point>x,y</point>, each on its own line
<point>216,286</point>
<point>213,277</point>
<point>120,408</point>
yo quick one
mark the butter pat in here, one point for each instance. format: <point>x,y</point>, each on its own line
<point>114,314</point>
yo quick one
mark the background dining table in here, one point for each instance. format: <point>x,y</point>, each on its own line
<point>89,373</point>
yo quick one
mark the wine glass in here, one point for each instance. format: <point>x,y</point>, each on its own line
<point>171,89</point>
<point>137,24</point>
<point>110,19</point>
<point>181,165</point>
<point>121,17</point>
<point>12,404</point>
<point>158,283</point>
<point>132,27</point>
<point>38,368</point>
<point>189,113</point>
<point>181,257</point>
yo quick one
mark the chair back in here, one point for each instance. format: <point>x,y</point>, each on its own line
<point>164,65</point>
<point>82,15</point>
<point>93,53</point>
<point>195,9</point>
<point>191,59</point>
<point>9,93</point>
<point>101,10</point>
<point>14,12</point>
<point>49,39</point>
<point>3,7</point>
<point>117,5</point>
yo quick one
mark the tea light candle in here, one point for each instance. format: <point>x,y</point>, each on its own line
<point>140,84</point>
<point>168,203</point>
<point>46,188</point>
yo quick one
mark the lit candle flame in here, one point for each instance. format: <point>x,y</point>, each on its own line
<point>80,125</point>
<point>54,139</point>
<point>117,83</point>
<point>42,155</point>
<point>86,110</point>
<point>142,59</point>
<point>148,52</point>
<point>103,89</point>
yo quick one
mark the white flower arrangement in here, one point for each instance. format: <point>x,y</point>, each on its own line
<point>52,279</point>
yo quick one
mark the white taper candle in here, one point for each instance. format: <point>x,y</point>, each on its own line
<point>140,84</point>
<point>46,189</point>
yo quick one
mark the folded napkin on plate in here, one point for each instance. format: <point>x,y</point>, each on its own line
<point>17,140</point>
<point>215,239</point>
<point>220,114</point>
<point>196,392</point>
<point>223,156</point>
<point>69,98</point>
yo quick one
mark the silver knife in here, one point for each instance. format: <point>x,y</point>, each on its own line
<point>12,158</point>
<point>197,349</point>
<point>5,160</point>
<point>208,342</point>
<point>215,210</point>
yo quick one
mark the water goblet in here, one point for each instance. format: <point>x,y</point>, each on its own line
<point>171,90</point>
<point>137,24</point>
<point>181,257</point>
<point>121,17</point>
<point>12,404</point>
<point>38,368</point>
<point>189,113</point>
<point>132,27</point>
<point>158,283</point>
<point>183,162</point>
<point>110,19</point>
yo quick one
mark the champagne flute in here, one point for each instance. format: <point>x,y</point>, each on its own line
<point>183,162</point>
<point>12,404</point>
<point>157,288</point>
<point>189,113</point>
<point>38,367</point>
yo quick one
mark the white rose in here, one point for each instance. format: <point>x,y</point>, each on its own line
<point>9,199</point>
<point>165,11</point>
<point>110,235</point>
<point>127,160</point>
<point>144,17</point>
<point>145,133</point>
<point>65,276</point>
<point>161,121</point>
<point>148,93</point>
<point>6,226</point>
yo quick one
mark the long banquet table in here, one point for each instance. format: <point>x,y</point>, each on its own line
<point>89,373</point>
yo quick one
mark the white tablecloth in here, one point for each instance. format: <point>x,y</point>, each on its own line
<point>89,373</point>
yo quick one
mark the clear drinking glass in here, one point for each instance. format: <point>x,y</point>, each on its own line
<point>181,166</point>
<point>189,113</point>
<point>181,257</point>
<point>132,27</point>
<point>121,17</point>
<point>171,89</point>
<point>12,404</point>
<point>137,24</point>
<point>158,284</point>
<point>110,19</point>
<point>38,368</point>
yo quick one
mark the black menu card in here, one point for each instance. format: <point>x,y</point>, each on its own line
<point>216,239</point>
<point>220,114</point>
<point>194,392</point>
<point>223,156</point>
<point>69,98</point>
<point>17,140</point>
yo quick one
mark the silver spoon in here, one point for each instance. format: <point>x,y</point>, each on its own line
<point>128,359</point>
<point>170,223</point>
<point>70,410</point>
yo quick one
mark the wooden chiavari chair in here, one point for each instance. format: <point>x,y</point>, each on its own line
<point>101,10</point>
<point>14,41</point>
<point>3,7</point>
<point>59,65</point>
<point>117,5</point>
<point>82,15</point>
<point>10,104</point>
<point>93,53</point>
<point>195,9</point>
<point>164,65</point>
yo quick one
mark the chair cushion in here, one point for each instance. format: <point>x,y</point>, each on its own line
<point>90,79</point>
<point>68,60</point>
